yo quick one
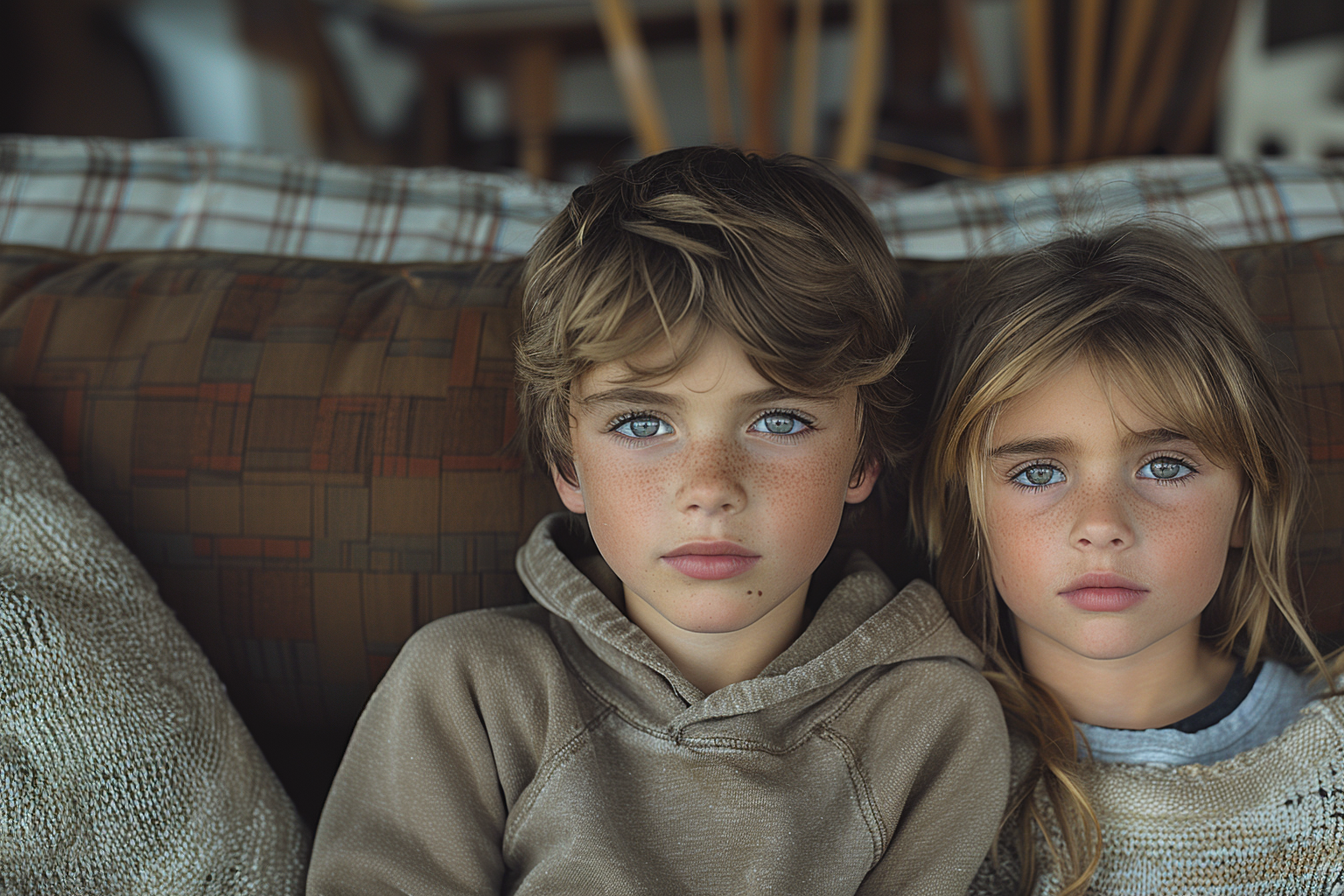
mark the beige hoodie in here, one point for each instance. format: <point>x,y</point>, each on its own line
<point>555,749</point>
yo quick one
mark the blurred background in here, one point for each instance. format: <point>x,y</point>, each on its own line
<point>554,86</point>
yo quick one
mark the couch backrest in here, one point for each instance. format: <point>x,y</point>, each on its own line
<point>313,458</point>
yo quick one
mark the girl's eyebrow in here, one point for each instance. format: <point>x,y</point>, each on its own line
<point>1063,445</point>
<point>1158,436</point>
<point>1058,445</point>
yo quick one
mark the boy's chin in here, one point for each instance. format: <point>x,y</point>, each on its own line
<point>715,610</point>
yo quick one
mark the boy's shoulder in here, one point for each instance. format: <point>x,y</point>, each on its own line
<point>913,620</point>
<point>473,644</point>
<point>484,630</point>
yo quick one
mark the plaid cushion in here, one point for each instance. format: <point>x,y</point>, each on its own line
<point>1236,203</point>
<point>99,195</point>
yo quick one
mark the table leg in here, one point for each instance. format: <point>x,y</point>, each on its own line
<point>533,71</point>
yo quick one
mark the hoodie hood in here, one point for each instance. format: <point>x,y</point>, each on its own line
<point>861,626</point>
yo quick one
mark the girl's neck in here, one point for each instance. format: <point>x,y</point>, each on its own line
<point>1161,685</point>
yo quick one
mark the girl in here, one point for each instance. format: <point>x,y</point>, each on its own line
<point>1111,491</point>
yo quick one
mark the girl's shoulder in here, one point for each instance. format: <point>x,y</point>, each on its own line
<point>1273,705</point>
<point>1309,741</point>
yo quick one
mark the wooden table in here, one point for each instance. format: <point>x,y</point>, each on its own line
<point>523,41</point>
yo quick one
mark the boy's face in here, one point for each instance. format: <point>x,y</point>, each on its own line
<point>712,494</point>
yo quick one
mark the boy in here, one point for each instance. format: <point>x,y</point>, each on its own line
<point>698,704</point>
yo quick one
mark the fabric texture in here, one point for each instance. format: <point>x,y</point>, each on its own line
<point>1271,706</point>
<point>313,459</point>
<point>310,458</point>
<point>1267,822</point>
<point>123,768</point>
<point>95,195</point>
<point>527,751</point>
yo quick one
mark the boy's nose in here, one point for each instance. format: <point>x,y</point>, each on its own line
<point>712,481</point>
<point>1102,521</point>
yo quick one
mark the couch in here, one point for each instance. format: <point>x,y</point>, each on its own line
<point>287,385</point>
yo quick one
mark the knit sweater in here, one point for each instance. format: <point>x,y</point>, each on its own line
<point>1269,820</point>
<point>555,749</point>
<point>124,770</point>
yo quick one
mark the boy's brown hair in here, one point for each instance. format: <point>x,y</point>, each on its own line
<point>778,253</point>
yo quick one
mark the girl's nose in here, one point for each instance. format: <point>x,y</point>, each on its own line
<point>1103,520</point>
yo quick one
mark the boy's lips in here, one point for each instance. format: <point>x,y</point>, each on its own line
<point>1103,592</point>
<point>711,559</point>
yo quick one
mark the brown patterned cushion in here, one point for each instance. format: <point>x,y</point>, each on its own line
<point>312,457</point>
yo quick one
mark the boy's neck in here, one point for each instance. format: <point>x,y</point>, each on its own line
<point>1150,690</point>
<point>713,660</point>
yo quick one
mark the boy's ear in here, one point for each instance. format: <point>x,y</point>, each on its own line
<point>570,494</point>
<point>861,484</point>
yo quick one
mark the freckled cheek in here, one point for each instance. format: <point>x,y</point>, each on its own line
<point>1020,545</point>
<point>807,497</point>
<point>620,499</point>
<point>1018,560</point>
<point>1195,542</point>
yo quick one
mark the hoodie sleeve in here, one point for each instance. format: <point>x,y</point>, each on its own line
<point>417,804</point>
<point>948,746</point>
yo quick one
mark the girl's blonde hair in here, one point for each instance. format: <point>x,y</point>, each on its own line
<point>1160,316</point>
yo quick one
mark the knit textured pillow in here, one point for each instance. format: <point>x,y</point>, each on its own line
<point>123,767</point>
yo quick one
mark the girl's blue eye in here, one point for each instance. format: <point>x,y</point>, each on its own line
<point>779,424</point>
<point>1165,469</point>
<point>1039,476</point>
<point>642,427</point>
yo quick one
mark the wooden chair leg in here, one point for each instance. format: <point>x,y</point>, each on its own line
<point>1193,132</point>
<point>435,136</point>
<point>714,69</point>
<point>534,69</point>
<point>634,76</point>
<point>760,33</point>
<point>1085,67</point>
<point>1173,45</point>
<point>806,52</point>
<point>1137,22</point>
<point>1038,61</point>
<point>859,125</point>
<point>984,125</point>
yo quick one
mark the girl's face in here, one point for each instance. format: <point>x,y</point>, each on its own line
<point>1108,533</point>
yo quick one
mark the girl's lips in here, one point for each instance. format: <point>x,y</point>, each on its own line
<point>1104,600</point>
<point>1103,593</point>
<point>711,559</point>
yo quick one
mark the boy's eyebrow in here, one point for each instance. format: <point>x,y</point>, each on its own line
<point>1061,445</point>
<point>630,395</point>
<point>633,395</point>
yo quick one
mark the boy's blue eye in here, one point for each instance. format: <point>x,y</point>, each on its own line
<point>779,424</point>
<point>1039,476</point>
<point>1165,469</point>
<point>642,427</point>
